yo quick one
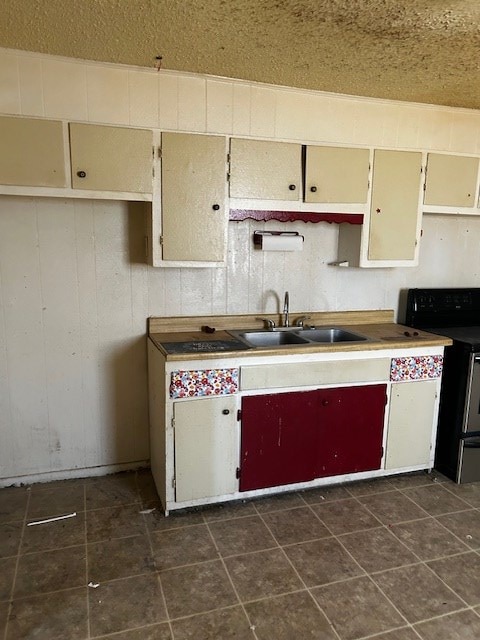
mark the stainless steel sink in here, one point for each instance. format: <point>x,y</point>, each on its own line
<point>284,337</point>
<point>269,338</point>
<point>332,334</point>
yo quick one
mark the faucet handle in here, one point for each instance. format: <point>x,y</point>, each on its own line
<point>269,324</point>
<point>299,321</point>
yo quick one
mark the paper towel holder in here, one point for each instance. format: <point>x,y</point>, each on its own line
<point>296,239</point>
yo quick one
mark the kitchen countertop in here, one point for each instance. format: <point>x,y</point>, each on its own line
<point>201,331</point>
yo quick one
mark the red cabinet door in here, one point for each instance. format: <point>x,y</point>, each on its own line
<point>351,420</point>
<point>300,436</point>
<point>279,439</point>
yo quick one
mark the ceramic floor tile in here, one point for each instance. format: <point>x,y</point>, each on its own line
<point>465,525</point>
<point>241,535</point>
<point>345,516</point>
<point>425,597</point>
<point>428,539</point>
<point>406,633</point>
<point>289,617</point>
<point>54,535</point>
<point>377,550</point>
<point>119,558</point>
<point>468,492</point>
<point>295,525</point>
<point>357,608</point>
<point>262,574</point>
<point>61,615</point>
<point>157,521</point>
<point>7,574</point>
<point>197,589</point>
<point>13,504</point>
<point>125,604</point>
<point>4,607</point>
<point>50,571</point>
<point>228,510</point>
<point>48,503</point>
<point>278,502</point>
<point>392,507</point>
<point>464,625</point>
<point>114,522</point>
<point>227,624</point>
<point>182,546</point>
<point>324,494</point>
<point>410,480</point>
<point>462,574</point>
<point>436,500</point>
<point>153,632</point>
<point>111,491</point>
<point>322,561</point>
<point>369,487</point>
<point>10,538</point>
<point>146,486</point>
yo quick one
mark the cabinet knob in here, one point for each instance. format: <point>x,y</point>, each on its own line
<point>313,189</point>
<point>325,403</point>
<point>226,412</point>
<point>292,187</point>
<point>378,210</point>
<point>216,207</point>
<point>82,174</point>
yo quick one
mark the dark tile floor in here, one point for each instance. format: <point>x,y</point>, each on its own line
<point>391,559</point>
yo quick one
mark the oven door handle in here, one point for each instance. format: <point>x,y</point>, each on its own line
<point>474,443</point>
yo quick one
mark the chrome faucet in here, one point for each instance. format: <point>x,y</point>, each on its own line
<point>286,322</point>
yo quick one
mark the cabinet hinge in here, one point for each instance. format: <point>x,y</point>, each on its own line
<point>383,451</point>
<point>172,422</point>
<point>239,414</point>
<point>237,473</point>
<point>174,483</point>
<point>160,240</point>
<point>159,152</point>
<point>386,399</point>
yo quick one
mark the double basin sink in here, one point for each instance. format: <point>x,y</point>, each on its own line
<point>283,336</point>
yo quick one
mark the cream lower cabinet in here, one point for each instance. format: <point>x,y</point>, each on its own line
<point>194,207</point>
<point>111,158</point>
<point>411,422</point>
<point>206,448</point>
<point>32,152</point>
<point>390,234</point>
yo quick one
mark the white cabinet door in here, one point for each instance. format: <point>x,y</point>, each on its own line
<point>31,152</point>
<point>265,170</point>
<point>395,210</point>
<point>336,174</point>
<point>206,448</point>
<point>111,158</point>
<point>411,424</point>
<point>194,206</point>
<point>451,180</point>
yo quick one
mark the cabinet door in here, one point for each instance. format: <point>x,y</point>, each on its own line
<point>206,452</point>
<point>451,180</point>
<point>410,424</point>
<point>395,205</point>
<point>265,170</point>
<point>351,423</point>
<point>194,209</point>
<point>336,174</point>
<point>111,158</point>
<point>279,440</point>
<point>32,152</point>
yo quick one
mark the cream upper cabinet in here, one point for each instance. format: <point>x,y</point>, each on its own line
<point>32,152</point>
<point>451,181</point>
<point>193,197</point>
<point>336,174</point>
<point>108,158</point>
<point>394,211</point>
<point>265,170</point>
<point>411,424</point>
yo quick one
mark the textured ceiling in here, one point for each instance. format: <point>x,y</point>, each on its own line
<point>414,50</point>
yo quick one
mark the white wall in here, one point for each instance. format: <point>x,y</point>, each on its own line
<point>75,290</point>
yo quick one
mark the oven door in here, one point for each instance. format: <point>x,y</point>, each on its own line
<point>471,421</point>
<point>469,460</point>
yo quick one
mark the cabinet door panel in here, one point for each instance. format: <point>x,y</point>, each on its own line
<point>265,170</point>
<point>279,439</point>
<point>112,158</point>
<point>412,406</point>
<point>395,205</point>
<point>451,180</point>
<point>336,174</point>
<point>205,448</point>
<point>351,422</point>
<point>194,216</point>
<point>32,152</point>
